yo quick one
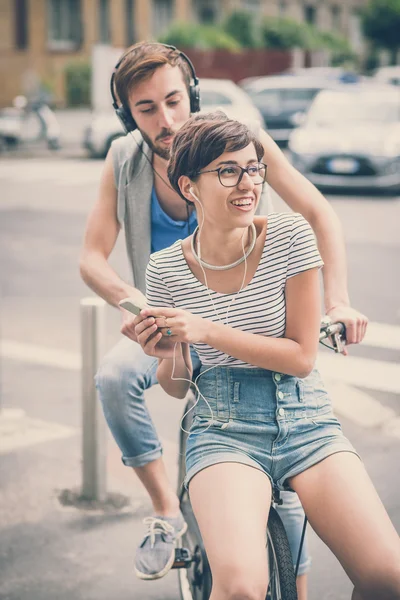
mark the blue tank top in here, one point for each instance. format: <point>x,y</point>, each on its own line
<point>164,230</point>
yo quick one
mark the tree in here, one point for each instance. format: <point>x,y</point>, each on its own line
<point>381,25</point>
<point>241,25</point>
<point>205,37</point>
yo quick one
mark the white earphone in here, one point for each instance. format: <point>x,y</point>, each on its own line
<point>191,192</point>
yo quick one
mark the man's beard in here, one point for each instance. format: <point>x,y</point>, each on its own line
<point>163,152</point>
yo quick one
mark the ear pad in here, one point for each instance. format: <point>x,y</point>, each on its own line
<point>194,96</point>
<point>126,119</point>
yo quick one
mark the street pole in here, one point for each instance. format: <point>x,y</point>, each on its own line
<point>94,446</point>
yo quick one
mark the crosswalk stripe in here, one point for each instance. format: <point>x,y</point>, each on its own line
<point>18,431</point>
<point>363,372</point>
<point>40,355</point>
<point>68,173</point>
<point>382,335</point>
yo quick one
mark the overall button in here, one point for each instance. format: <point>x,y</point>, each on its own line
<point>281,396</point>
<point>277,376</point>
<point>281,412</point>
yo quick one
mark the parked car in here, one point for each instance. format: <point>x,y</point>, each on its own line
<point>333,73</point>
<point>215,94</point>
<point>351,139</point>
<point>388,75</point>
<point>280,97</point>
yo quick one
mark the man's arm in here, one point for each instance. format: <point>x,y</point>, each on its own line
<point>101,233</point>
<point>303,197</point>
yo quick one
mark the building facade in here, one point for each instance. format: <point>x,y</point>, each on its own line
<point>39,37</point>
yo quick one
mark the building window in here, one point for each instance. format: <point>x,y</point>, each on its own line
<point>336,17</point>
<point>163,13</point>
<point>355,31</point>
<point>64,30</point>
<point>205,11</point>
<point>282,8</point>
<point>21,24</point>
<point>251,5</point>
<point>310,14</point>
<point>104,22</point>
<point>130,22</point>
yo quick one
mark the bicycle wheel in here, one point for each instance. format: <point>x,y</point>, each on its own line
<point>282,580</point>
<point>195,581</point>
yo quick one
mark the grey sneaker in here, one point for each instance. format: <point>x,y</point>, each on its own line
<point>156,554</point>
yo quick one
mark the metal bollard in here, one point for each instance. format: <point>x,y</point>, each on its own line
<point>94,441</point>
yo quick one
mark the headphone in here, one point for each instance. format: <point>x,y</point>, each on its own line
<point>124,114</point>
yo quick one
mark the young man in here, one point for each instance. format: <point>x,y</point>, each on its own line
<point>152,83</point>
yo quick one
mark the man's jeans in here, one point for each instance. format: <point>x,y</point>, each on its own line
<point>124,375</point>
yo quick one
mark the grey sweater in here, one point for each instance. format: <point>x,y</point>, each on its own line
<point>134,177</point>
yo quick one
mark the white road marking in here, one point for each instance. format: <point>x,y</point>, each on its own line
<point>383,335</point>
<point>17,431</point>
<point>340,374</point>
<point>361,408</point>
<point>364,372</point>
<point>40,355</point>
<point>71,172</point>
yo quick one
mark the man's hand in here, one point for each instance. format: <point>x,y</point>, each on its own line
<point>356,323</point>
<point>129,321</point>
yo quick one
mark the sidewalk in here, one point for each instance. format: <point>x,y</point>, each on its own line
<point>49,551</point>
<point>72,122</point>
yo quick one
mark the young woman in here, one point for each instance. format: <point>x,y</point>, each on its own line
<point>244,291</point>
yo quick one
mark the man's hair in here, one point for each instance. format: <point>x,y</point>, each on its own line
<point>202,139</point>
<point>139,63</point>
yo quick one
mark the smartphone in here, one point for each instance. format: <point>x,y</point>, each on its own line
<point>134,306</point>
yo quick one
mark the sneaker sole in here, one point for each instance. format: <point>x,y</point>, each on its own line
<point>169,564</point>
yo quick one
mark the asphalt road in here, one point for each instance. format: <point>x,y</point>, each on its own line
<point>47,550</point>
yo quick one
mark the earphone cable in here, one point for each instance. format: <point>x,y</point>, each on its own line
<point>219,318</point>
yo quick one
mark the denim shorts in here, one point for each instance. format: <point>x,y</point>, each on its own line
<point>279,424</point>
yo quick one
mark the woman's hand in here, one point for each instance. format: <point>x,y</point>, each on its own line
<point>183,325</point>
<point>151,338</point>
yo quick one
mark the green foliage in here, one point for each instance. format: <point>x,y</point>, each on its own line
<point>283,33</point>
<point>381,23</point>
<point>77,83</point>
<point>205,37</point>
<point>341,50</point>
<point>242,27</point>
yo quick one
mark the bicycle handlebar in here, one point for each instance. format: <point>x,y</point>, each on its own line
<point>328,329</point>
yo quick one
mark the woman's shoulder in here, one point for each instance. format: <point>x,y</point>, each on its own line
<point>167,255</point>
<point>282,224</point>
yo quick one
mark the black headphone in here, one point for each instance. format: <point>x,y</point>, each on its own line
<point>125,115</point>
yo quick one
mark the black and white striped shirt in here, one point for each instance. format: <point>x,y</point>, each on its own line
<point>260,308</point>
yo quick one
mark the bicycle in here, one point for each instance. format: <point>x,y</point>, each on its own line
<point>194,574</point>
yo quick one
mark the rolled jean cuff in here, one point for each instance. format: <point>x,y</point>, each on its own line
<point>142,459</point>
<point>304,567</point>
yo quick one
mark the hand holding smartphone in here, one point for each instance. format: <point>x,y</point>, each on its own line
<point>133,305</point>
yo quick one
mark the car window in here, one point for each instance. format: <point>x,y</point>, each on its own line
<point>210,97</point>
<point>281,100</point>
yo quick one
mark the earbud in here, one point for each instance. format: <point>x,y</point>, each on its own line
<point>191,192</point>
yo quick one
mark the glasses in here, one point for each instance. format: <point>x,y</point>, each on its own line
<point>232,175</point>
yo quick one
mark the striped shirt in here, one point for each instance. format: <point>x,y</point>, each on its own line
<point>259,308</point>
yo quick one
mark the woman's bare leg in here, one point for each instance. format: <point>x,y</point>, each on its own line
<point>345,511</point>
<point>231,503</point>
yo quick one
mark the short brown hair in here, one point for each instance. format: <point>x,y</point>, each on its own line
<point>202,139</point>
<point>139,63</point>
